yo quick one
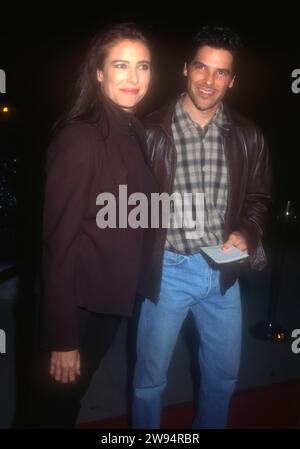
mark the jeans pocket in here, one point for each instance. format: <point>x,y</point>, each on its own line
<point>171,258</point>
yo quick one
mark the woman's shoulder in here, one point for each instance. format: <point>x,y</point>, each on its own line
<point>75,143</point>
<point>77,138</point>
<point>74,131</point>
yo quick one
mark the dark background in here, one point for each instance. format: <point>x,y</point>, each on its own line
<point>42,48</point>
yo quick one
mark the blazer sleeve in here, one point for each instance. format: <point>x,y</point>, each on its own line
<point>68,181</point>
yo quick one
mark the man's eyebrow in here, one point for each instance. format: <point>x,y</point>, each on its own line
<point>224,70</point>
<point>205,65</point>
<point>198,62</point>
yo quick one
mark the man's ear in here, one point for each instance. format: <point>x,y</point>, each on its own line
<point>185,71</point>
<point>99,76</point>
<point>231,82</point>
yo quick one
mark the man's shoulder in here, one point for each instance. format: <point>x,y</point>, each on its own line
<point>161,117</point>
<point>247,131</point>
<point>157,116</point>
<point>241,121</point>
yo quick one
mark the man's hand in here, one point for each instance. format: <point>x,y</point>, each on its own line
<point>65,366</point>
<point>235,239</point>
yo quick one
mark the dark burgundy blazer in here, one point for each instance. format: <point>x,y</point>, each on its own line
<point>97,269</point>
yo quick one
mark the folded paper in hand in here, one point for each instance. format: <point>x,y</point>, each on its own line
<point>218,255</point>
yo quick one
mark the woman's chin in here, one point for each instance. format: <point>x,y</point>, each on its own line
<point>129,104</point>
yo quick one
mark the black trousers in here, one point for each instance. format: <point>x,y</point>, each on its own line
<point>56,405</point>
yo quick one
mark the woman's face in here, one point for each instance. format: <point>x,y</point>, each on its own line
<point>126,73</point>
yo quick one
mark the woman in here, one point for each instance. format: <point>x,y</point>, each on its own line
<point>91,275</point>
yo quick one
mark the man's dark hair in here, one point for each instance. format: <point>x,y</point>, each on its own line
<point>219,37</point>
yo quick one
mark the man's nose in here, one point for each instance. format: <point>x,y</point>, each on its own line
<point>209,78</point>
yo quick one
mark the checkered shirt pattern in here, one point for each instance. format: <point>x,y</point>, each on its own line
<point>201,168</point>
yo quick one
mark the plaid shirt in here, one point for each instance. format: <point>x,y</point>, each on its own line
<point>201,168</point>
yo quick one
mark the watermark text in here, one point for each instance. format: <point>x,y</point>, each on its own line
<point>296,342</point>
<point>296,83</point>
<point>185,211</point>
<point>2,342</point>
<point>2,82</point>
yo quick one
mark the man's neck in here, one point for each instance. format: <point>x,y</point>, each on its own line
<point>198,116</point>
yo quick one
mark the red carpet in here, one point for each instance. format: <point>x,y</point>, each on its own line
<point>273,407</point>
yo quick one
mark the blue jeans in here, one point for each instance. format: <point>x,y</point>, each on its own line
<point>188,283</point>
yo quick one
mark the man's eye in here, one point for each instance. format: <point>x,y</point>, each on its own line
<point>121,65</point>
<point>222,72</point>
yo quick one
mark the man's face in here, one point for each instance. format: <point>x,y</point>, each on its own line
<point>209,76</point>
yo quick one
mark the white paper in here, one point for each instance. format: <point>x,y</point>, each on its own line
<point>218,255</point>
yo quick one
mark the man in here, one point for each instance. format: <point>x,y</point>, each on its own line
<point>197,144</point>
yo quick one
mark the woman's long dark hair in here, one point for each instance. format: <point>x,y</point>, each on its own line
<point>86,104</point>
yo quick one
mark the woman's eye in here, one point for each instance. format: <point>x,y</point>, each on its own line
<point>144,67</point>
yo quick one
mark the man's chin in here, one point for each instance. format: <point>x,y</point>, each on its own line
<point>203,106</point>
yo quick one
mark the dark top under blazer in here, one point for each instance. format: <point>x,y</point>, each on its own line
<point>97,269</point>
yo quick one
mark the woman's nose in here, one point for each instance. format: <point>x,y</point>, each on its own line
<point>133,76</point>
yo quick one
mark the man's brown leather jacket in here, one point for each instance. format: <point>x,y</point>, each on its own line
<point>249,185</point>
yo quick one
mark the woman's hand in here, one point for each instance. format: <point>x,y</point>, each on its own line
<point>65,366</point>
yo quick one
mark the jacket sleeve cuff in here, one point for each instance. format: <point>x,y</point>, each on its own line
<point>257,256</point>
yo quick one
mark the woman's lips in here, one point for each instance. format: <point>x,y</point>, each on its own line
<point>130,91</point>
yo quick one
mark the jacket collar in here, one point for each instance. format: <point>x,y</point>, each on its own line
<point>115,114</point>
<point>120,120</point>
<point>163,117</point>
